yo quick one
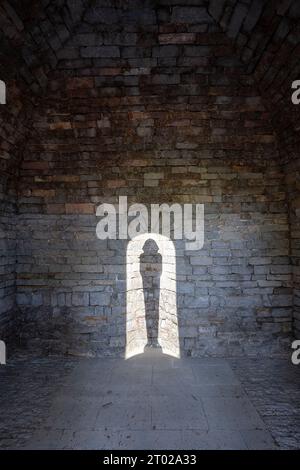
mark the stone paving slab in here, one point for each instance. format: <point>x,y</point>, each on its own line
<point>149,402</point>
<point>212,440</point>
<point>176,411</point>
<point>231,413</point>
<point>214,374</point>
<point>123,412</point>
<point>258,439</point>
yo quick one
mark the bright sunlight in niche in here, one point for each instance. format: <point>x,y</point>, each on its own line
<point>141,328</point>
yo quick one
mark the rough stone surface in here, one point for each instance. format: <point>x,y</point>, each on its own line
<point>12,133</point>
<point>292,170</point>
<point>273,389</point>
<point>168,101</point>
<point>192,136</point>
<point>57,403</point>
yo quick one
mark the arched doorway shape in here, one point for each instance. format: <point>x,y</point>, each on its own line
<point>2,92</point>
<point>136,334</point>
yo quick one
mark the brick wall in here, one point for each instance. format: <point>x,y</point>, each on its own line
<point>292,169</point>
<point>266,38</point>
<point>11,135</point>
<point>160,114</point>
<point>163,101</point>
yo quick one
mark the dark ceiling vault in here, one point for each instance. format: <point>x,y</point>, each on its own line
<point>265,33</point>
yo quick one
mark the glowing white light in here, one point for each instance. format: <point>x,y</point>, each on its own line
<point>2,353</point>
<point>2,92</point>
<point>136,331</point>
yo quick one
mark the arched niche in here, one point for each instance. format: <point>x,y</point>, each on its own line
<point>136,334</point>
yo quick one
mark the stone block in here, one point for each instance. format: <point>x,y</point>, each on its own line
<point>259,260</point>
<point>196,302</point>
<point>80,299</point>
<point>177,38</point>
<point>80,82</point>
<point>199,260</point>
<point>100,298</point>
<point>165,51</point>
<point>190,15</point>
<point>100,51</point>
<point>239,13</point>
<point>80,208</point>
<point>216,8</point>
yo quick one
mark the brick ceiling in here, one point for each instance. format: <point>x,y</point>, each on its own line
<point>265,33</point>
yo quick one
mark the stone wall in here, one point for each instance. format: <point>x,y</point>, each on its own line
<point>11,135</point>
<point>155,106</point>
<point>292,169</point>
<point>266,38</point>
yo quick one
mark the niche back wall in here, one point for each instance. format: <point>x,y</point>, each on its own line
<point>142,107</point>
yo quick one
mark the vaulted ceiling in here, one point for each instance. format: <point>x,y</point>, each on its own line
<point>265,33</point>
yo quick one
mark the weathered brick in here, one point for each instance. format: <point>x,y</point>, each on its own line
<point>80,82</point>
<point>80,208</point>
<point>100,51</point>
<point>63,125</point>
<point>46,193</point>
<point>177,38</point>
<point>100,298</point>
<point>55,208</point>
<point>139,104</point>
<point>190,15</point>
<point>80,299</point>
<point>31,165</point>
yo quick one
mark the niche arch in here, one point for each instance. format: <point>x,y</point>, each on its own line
<point>136,332</point>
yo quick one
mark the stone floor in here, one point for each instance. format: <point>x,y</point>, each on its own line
<point>149,402</point>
